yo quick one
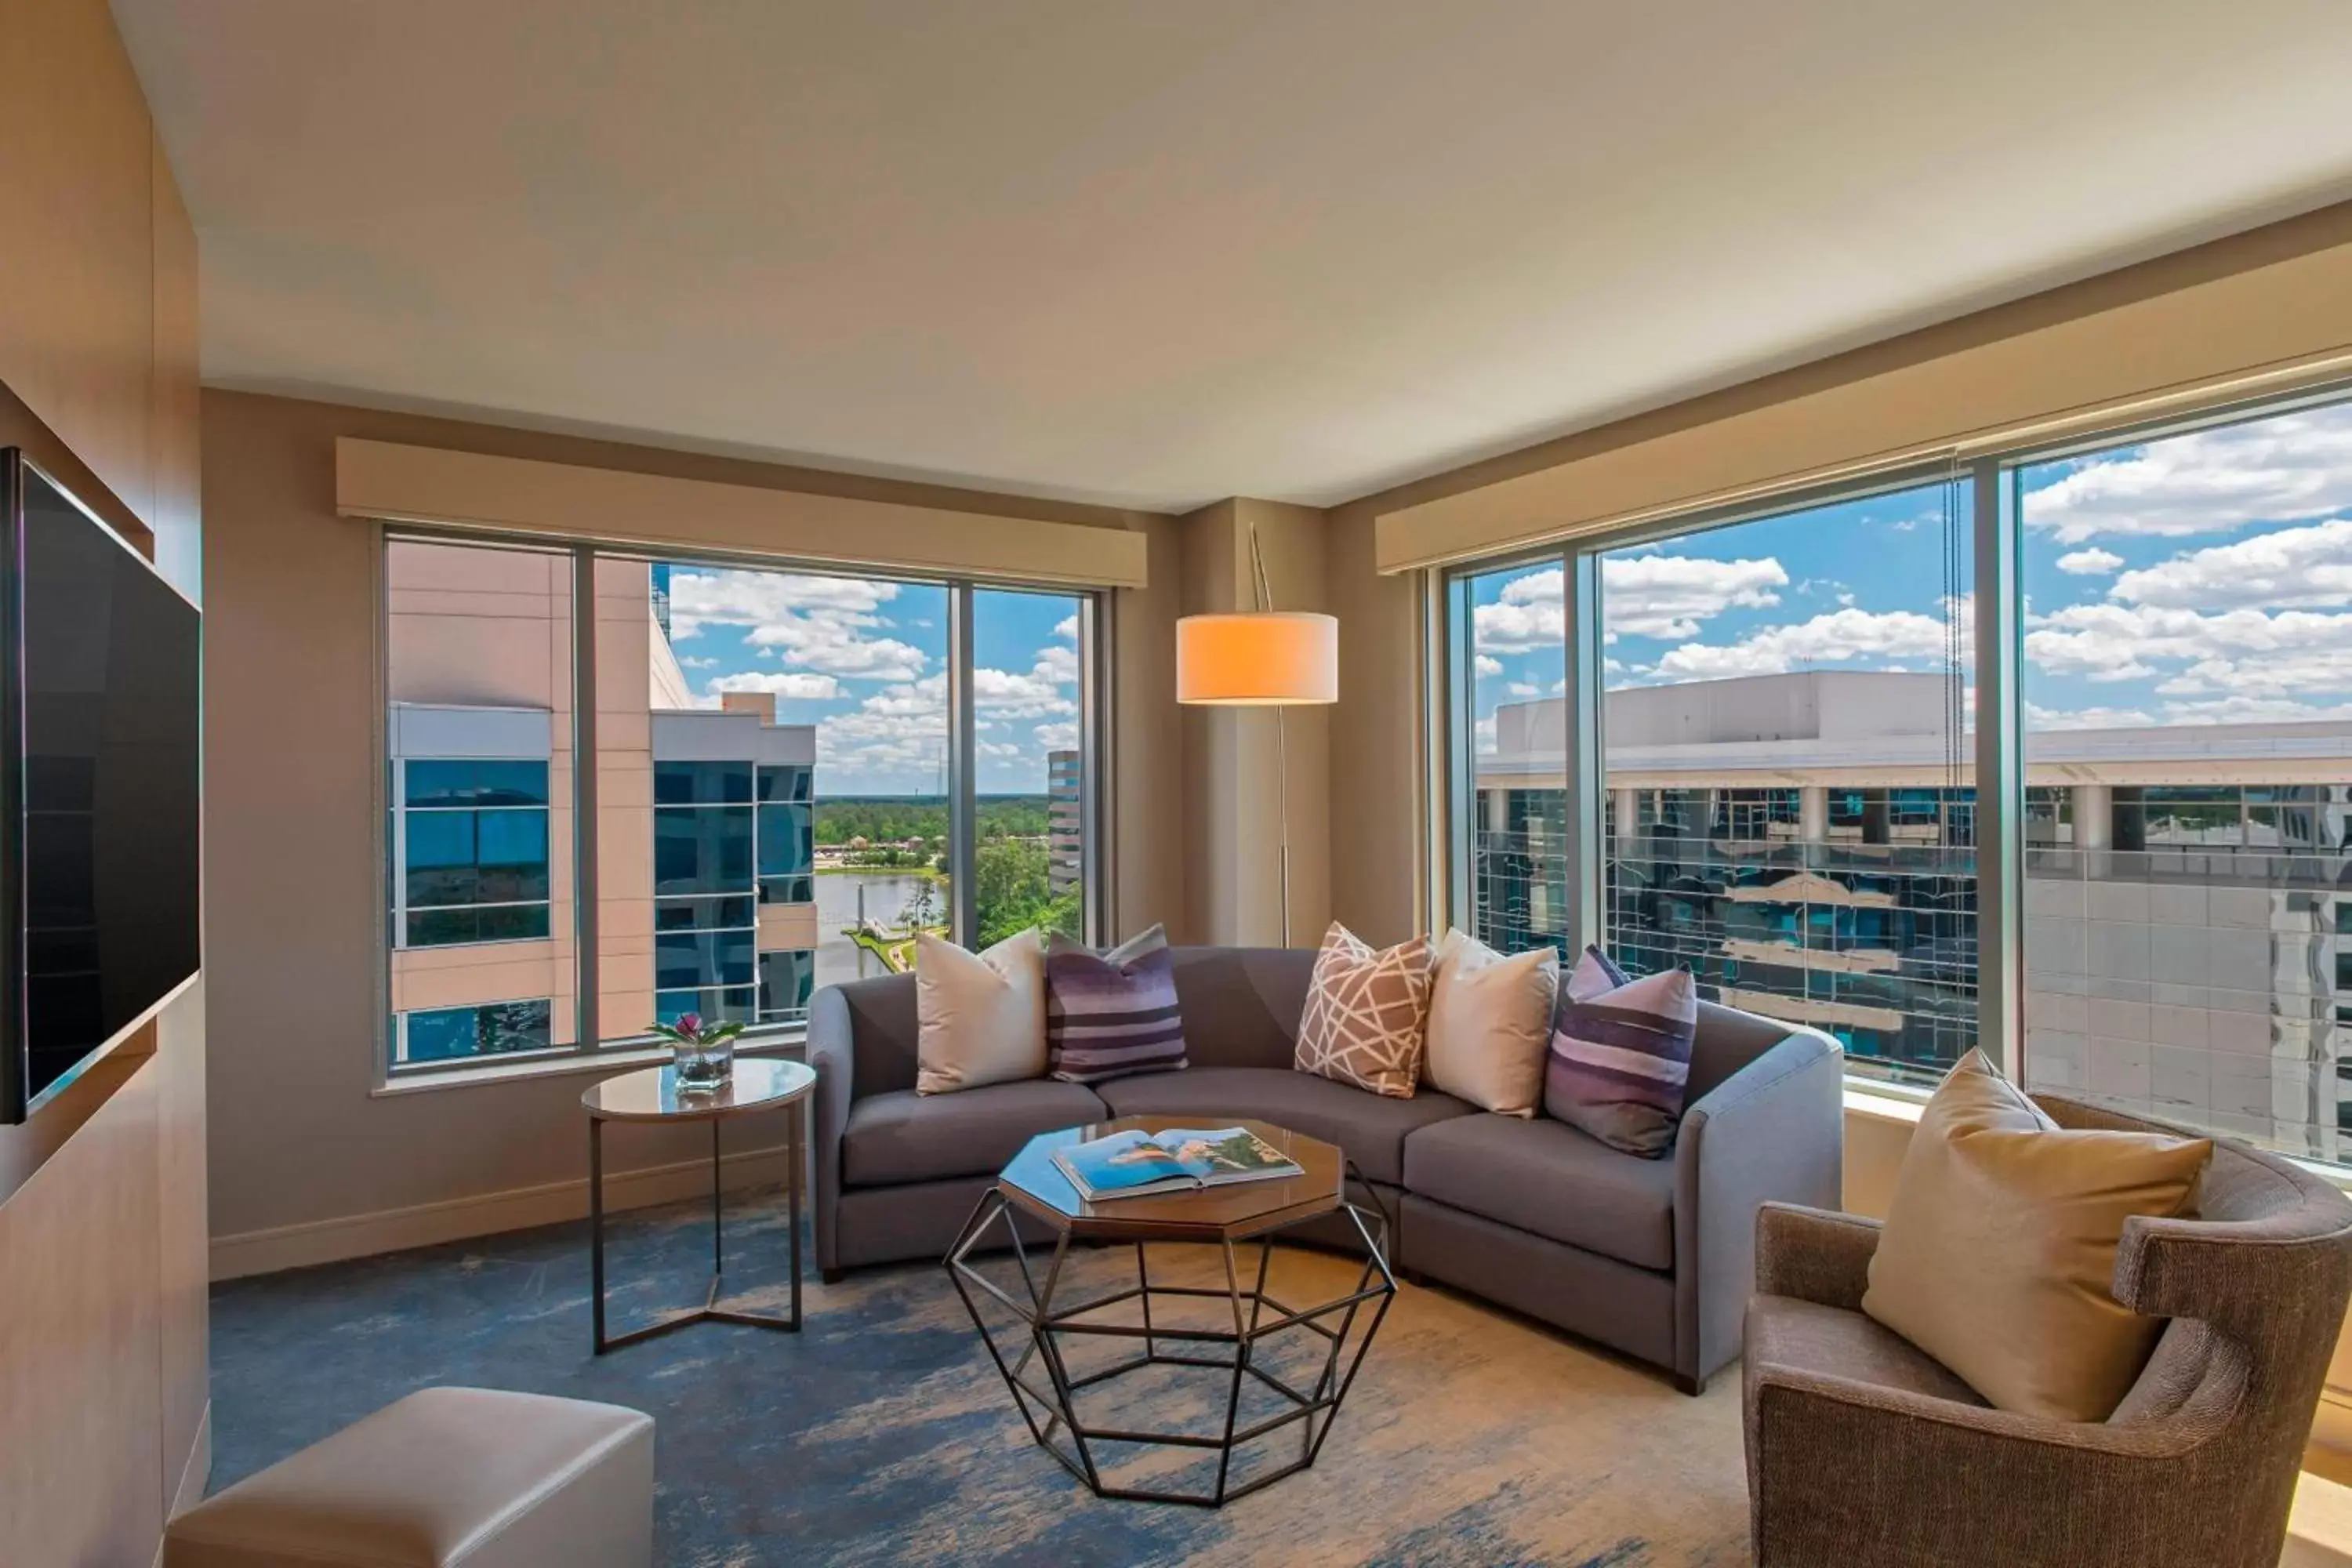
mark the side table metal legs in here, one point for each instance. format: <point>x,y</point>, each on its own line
<point>1233,1350</point>
<point>710,1310</point>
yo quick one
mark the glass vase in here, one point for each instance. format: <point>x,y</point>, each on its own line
<point>703,1068</point>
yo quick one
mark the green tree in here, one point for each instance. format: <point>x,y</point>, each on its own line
<point>1013,890</point>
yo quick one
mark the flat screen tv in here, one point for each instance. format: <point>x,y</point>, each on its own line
<point>99,762</point>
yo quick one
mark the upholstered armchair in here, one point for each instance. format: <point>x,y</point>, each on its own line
<point>1863,1451</point>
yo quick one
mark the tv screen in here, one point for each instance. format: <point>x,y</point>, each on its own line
<point>99,885</point>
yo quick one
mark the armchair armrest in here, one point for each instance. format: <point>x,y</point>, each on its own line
<point>832,1052</point>
<point>1814,1255</point>
<point>1773,1131</point>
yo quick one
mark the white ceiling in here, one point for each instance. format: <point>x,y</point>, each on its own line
<point>1158,252</point>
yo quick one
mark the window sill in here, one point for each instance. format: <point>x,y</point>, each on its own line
<point>1882,1102</point>
<point>606,1062</point>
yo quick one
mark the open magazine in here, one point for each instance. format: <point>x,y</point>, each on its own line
<point>1134,1165</point>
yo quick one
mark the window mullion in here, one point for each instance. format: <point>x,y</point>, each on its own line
<point>2000,770</point>
<point>962,811</point>
<point>587,1025</point>
<point>1583,766</point>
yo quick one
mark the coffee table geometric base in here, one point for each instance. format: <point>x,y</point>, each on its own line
<point>1051,1410</point>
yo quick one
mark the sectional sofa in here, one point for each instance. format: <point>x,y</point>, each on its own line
<point>1654,1258</point>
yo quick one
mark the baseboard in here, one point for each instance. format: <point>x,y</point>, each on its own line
<point>481,1213</point>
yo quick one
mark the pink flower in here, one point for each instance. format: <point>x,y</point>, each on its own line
<point>689,1025</point>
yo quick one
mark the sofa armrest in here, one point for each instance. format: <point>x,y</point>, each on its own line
<point>1814,1255</point>
<point>1773,1132</point>
<point>831,1047</point>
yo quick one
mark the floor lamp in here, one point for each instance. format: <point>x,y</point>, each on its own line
<point>1263,657</point>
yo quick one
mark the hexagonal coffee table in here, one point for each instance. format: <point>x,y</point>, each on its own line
<point>1226,1218</point>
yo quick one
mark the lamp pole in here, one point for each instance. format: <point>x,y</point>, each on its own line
<point>1281,750</point>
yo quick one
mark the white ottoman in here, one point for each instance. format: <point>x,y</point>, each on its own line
<point>444,1476</point>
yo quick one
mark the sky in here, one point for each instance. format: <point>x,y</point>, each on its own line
<point>2205,578</point>
<point>864,660</point>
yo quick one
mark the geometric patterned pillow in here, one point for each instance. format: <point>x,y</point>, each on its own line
<point>1366,1012</point>
<point>1619,1061</point>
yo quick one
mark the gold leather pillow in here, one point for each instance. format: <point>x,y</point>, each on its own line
<point>1998,1256</point>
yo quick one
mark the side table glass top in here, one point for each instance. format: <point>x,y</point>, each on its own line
<point>651,1094</point>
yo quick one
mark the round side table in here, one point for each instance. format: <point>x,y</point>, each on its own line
<point>651,1094</point>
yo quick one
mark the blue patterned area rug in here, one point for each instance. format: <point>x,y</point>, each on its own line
<point>883,1434</point>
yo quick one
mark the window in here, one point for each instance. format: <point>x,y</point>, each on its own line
<point>479,786</point>
<point>1780,753</point>
<point>2187,686</point>
<point>792,774</point>
<point>1785,792</point>
<point>1030,867</point>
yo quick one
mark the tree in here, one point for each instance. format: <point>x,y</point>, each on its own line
<point>1013,890</point>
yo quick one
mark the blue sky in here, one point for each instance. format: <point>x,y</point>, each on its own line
<point>2204,578</point>
<point>864,660</point>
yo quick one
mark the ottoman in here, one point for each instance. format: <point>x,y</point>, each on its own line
<point>444,1476</point>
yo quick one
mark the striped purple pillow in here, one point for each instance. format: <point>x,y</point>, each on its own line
<point>1619,1061</point>
<point>1111,1014</point>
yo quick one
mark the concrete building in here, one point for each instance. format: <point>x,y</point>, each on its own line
<point>1806,844</point>
<point>1066,866</point>
<point>705,899</point>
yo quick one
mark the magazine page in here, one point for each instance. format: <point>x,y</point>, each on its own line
<point>1120,1164</point>
<point>1228,1154</point>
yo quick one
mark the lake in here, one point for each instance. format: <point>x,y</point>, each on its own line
<point>886,894</point>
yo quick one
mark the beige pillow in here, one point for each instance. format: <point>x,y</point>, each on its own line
<point>1365,1013</point>
<point>1490,1024</point>
<point>980,1016</point>
<point>1999,1253</point>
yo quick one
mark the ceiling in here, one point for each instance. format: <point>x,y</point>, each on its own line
<point>1157,252</point>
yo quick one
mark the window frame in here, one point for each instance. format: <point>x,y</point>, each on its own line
<point>2001,808</point>
<point>591,1048</point>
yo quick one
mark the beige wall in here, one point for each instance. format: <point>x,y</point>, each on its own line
<point>103,1377</point>
<point>307,1161</point>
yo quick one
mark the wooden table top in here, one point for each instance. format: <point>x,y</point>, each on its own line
<point>1036,1185</point>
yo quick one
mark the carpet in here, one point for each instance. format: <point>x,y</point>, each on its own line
<point>882,1435</point>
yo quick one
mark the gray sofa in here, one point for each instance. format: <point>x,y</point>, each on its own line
<point>1654,1258</point>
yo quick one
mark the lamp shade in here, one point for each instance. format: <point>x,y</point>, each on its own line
<point>1268,659</point>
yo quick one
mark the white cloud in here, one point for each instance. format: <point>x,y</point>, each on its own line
<point>1489,666</point>
<point>2281,470</point>
<point>1067,627</point>
<point>1059,736</point>
<point>1523,689</point>
<point>792,683</point>
<point>1058,664</point>
<point>1839,637</point>
<point>822,624</point>
<point>2091,562</point>
<point>2040,718</point>
<point>2294,567</point>
<point>1650,595</point>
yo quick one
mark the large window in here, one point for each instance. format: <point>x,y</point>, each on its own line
<point>793,775</point>
<point>2188,691</point>
<point>1774,778</point>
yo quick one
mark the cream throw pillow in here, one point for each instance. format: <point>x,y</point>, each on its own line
<point>1999,1253</point>
<point>1490,1024</point>
<point>980,1016</point>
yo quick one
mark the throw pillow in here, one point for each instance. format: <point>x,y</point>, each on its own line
<point>1621,1059</point>
<point>1998,1256</point>
<point>1489,1023</point>
<point>1594,972</point>
<point>1109,1015</point>
<point>980,1016</point>
<point>1365,1013</point>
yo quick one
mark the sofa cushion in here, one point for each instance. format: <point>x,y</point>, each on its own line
<point>904,1136</point>
<point>1550,1179</point>
<point>1788,1335</point>
<point>1370,1127</point>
